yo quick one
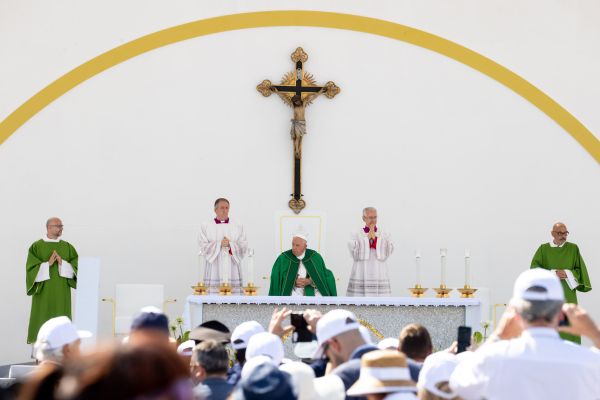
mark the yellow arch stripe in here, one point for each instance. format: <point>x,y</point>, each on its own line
<point>301,18</point>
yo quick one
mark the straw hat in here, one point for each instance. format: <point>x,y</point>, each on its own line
<point>382,371</point>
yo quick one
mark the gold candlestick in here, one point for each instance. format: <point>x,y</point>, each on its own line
<point>200,289</point>
<point>442,292</point>
<point>250,290</point>
<point>467,292</point>
<point>225,289</point>
<point>417,291</point>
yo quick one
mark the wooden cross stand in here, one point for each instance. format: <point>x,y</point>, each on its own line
<point>298,89</point>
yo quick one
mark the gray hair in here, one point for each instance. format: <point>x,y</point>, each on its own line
<point>212,356</point>
<point>537,310</point>
<point>46,354</point>
<point>367,209</point>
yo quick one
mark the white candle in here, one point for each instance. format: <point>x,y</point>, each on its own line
<point>418,265</point>
<point>250,278</point>
<point>225,278</point>
<point>443,253</point>
<point>467,267</point>
<point>201,263</point>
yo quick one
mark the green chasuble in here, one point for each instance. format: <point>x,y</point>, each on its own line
<point>50,298</point>
<point>285,270</point>
<point>565,257</point>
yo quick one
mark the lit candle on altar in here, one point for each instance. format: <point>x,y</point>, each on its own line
<point>250,278</point>
<point>201,263</point>
<point>467,267</point>
<point>418,265</point>
<point>443,253</point>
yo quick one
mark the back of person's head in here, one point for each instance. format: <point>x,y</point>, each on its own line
<point>149,327</point>
<point>265,344</point>
<point>126,373</point>
<point>211,356</point>
<point>264,380</point>
<point>415,342</point>
<point>538,297</point>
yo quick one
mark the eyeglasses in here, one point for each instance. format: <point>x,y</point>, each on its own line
<point>565,233</point>
<point>58,226</point>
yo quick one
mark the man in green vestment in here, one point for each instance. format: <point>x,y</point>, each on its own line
<point>565,259</point>
<point>51,272</point>
<point>301,272</point>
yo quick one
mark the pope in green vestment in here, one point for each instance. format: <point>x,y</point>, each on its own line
<point>49,285</point>
<point>285,277</point>
<point>564,256</point>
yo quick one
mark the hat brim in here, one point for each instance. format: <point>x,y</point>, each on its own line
<point>201,334</point>
<point>371,386</point>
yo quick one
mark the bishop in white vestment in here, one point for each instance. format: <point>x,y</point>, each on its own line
<point>223,244</point>
<point>370,247</point>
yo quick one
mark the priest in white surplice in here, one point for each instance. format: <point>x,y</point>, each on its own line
<point>370,248</point>
<point>223,244</point>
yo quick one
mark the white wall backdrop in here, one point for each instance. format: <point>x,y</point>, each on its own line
<point>133,158</point>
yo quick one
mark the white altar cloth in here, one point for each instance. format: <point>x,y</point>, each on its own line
<point>225,309</point>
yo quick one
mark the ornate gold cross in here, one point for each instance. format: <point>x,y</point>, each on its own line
<point>298,89</point>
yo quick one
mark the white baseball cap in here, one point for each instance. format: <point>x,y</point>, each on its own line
<point>186,348</point>
<point>57,332</point>
<point>334,323</point>
<point>250,365</point>
<point>389,343</point>
<point>265,344</point>
<point>538,284</point>
<point>437,368</point>
<point>243,332</point>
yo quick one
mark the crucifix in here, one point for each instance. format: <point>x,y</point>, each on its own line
<point>298,89</point>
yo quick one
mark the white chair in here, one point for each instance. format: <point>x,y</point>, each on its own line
<point>130,299</point>
<point>19,371</point>
<point>5,383</point>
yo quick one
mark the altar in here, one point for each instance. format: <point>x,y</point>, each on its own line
<point>382,316</point>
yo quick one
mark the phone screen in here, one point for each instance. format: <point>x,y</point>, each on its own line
<point>301,332</point>
<point>464,338</point>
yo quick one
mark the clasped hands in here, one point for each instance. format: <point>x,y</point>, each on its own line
<point>371,233</point>
<point>54,257</point>
<point>225,242</point>
<point>561,273</point>
<point>303,282</point>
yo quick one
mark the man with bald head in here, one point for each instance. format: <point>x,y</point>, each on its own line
<point>51,272</point>
<point>301,272</point>
<point>565,260</point>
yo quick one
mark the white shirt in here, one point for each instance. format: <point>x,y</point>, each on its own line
<point>538,365</point>
<point>552,244</point>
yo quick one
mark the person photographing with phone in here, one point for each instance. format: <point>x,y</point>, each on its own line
<point>525,358</point>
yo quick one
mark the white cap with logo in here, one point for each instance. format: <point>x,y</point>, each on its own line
<point>538,284</point>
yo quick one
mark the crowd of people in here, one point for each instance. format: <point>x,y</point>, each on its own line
<point>524,358</point>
